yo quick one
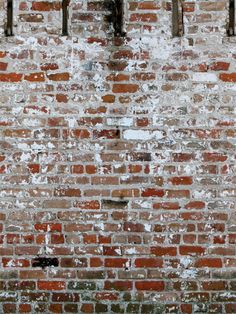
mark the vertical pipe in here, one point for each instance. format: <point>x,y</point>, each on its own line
<point>119,20</point>
<point>231,25</point>
<point>9,23</point>
<point>177,18</point>
<point>64,17</point>
<point>116,17</point>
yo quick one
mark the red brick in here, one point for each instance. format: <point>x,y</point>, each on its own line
<point>10,77</point>
<point>96,262</point>
<point>134,227</point>
<point>35,77</point>
<point>48,227</point>
<point>87,308</point>
<point>230,308</point>
<point>228,77</point>
<point>106,134</point>
<point>91,169</point>
<point>118,77</point>
<point>186,308</point>
<point>34,168</point>
<point>181,180</point>
<point>183,157</point>
<point>144,17</point>
<point>91,205</point>
<point>177,77</point>
<point>25,308</point>
<point>195,205</point>
<point>164,251</point>
<point>106,296</point>
<point>152,192</point>
<point>149,262</point>
<point>48,66</point>
<point>59,77</point>
<point>150,285</point>
<point>115,262</point>
<point>125,88</point>
<point>220,66</point>
<point>77,169</point>
<point>67,192</point>
<point>178,193</point>
<point>51,285</point>
<point>57,239</point>
<point>80,133</point>
<point>108,99</point>
<point>3,66</point>
<point>191,250</point>
<point>46,6</point>
<point>118,285</point>
<point>3,54</point>
<point>148,5</point>
<point>214,157</point>
<point>12,262</point>
<point>214,285</point>
<point>56,308</point>
<point>167,205</point>
<point>125,193</point>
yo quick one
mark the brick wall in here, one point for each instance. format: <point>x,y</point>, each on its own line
<point>117,160</point>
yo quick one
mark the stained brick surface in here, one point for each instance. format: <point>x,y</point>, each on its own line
<point>117,160</point>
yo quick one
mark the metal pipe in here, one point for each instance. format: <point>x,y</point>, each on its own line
<point>64,17</point>
<point>9,23</point>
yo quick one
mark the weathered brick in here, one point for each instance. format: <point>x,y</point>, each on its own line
<point>85,285</point>
<point>58,76</point>
<point>45,6</point>
<point>51,285</point>
<point>10,77</point>
<point>152,192</point>
<point>35,77</point>
<point>67,192</point>
<point>143,17</point>
<point>125,88</point>
<point>150,285</point>
<point>117,163</point>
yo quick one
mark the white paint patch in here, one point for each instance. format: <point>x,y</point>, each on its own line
<point>185,261</point>
<point>142,135</point>
<point>118,251</point>
<point>188,273</point>
<point>31,122</point>
<point>131,251</point>
<point>23,146</point>
<point>147,227</point>
<point>25,157</point>
<point>98,159</point>
<point>204,77</point>
<point>124,121</point>
<point>72,122</point>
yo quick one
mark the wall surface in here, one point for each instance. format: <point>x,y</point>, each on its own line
<point>117,160</point>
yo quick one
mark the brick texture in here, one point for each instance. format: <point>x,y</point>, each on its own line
<point>117,160</point>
